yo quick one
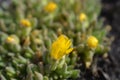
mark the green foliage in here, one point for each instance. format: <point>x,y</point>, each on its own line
<point>28,56</point>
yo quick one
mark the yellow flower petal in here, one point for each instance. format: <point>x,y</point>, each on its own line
<point>69,50</point>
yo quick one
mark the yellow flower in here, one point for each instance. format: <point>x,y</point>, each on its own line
<point>10,39</point>
<point>25,22</point>
<point>82,17</point>
<point>61,47</point>
<point>92,42</point>
<point>50,7</point>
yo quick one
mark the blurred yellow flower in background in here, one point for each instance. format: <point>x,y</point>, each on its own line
<point>50,7</point>
<point>61,47</point>
<point>10,39</point>
<point>92,42</point>
<point>82,17</point>
<point>25,22</point>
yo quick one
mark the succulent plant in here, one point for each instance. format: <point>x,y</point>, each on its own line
<point>43,40</point>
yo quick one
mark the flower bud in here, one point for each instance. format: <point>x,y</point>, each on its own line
<point>25,22</point>
<point>82,17</point>
<point>92,42</point>
<point>50,7</point>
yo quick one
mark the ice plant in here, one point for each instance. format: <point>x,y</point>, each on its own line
<point>82,17</point>
<point>25,22</point>
<point>50,7</point>
<point>92,42</point>
<point>61,47</point>
<point>26,49</point>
